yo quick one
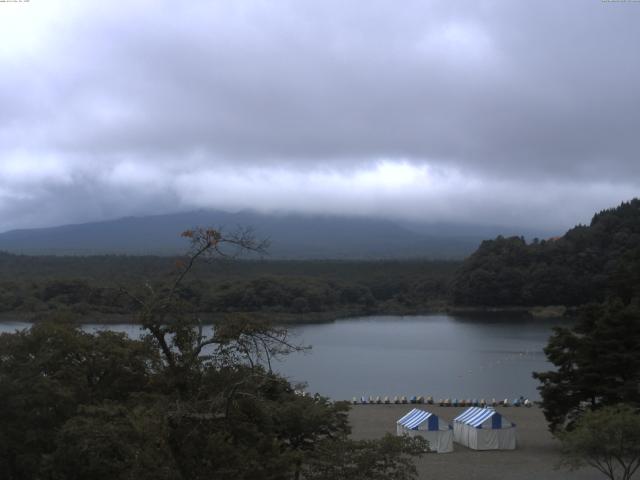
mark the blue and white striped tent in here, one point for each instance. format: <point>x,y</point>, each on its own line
<point>427,425</point>
<point>484,429</point>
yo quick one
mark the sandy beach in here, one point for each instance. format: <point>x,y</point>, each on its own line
<point>535,458</point>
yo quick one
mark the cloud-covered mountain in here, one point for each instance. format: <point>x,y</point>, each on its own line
<point>467,111</point>
<point>290,236</point>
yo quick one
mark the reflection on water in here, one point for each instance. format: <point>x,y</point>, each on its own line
<point>436,355</point>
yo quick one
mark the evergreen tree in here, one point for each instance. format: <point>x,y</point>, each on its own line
<point>597,364</point>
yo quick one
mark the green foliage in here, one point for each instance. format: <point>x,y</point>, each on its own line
<point>85,286</point>
<point>110,441</point>
<point>607,439</point>
<point>597,363</point>
<point>75,405</point>
<point>586,265</point>
<point>175,405</point>
<point>46,373</point>
<point>387,459</point>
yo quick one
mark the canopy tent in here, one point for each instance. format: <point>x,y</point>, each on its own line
<point>484,429</point>
<point>427,425</point>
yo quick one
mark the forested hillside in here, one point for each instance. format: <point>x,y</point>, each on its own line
<point>84,287</point>
<point>587,264</point>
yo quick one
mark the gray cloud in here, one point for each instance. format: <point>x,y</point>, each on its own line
<point>109,110</point>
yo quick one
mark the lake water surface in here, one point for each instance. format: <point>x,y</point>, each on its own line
<point>438,355</point>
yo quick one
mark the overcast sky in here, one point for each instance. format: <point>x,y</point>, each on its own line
<point>500,112</point>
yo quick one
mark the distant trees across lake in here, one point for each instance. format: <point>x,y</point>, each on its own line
<point>587,264</point>
<point>83,286</point>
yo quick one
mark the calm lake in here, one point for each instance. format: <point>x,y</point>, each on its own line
<point>438,355</point>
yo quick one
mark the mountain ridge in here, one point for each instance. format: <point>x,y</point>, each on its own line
<point>292,236</point>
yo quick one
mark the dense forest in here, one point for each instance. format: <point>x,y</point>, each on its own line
<point>587,264</point>
<point>86,287</point>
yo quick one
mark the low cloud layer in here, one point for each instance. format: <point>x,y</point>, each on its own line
<point>521,113</point>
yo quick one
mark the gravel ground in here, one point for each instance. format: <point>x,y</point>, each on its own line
<point>535,458</point>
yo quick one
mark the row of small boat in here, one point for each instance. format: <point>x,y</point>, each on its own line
<point>447,402</point>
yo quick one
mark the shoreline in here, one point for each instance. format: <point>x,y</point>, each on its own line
<point>288,318</point>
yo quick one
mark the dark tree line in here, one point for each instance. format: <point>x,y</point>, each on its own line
<point>222,287</point>
<point>587,264</point>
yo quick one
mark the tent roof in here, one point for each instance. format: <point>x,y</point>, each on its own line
<point>475,416</point>
<point>414,418</point>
